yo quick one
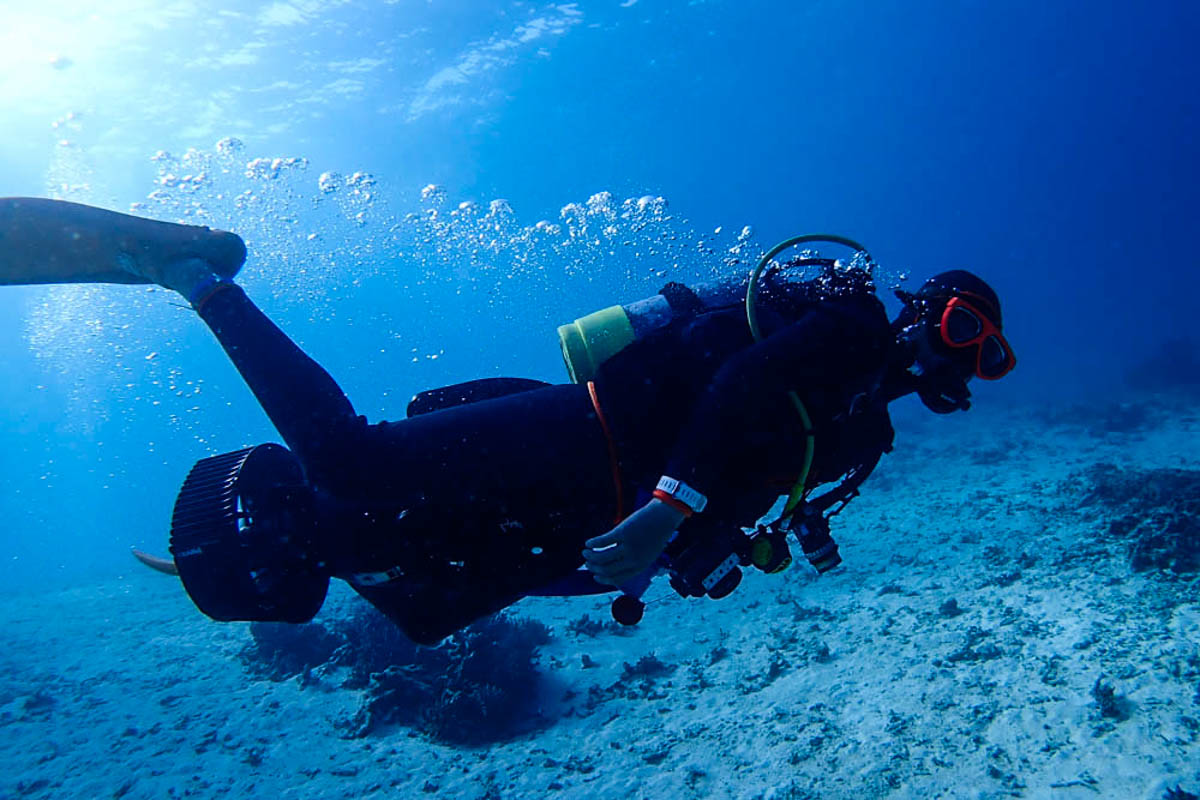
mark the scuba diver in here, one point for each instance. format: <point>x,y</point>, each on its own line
<point>689,416</point>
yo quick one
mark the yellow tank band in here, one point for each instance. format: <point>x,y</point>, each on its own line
<point>590,341</point>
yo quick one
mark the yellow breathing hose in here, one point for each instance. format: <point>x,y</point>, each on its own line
<point>796,495</point>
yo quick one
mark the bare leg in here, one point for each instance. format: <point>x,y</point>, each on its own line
<point>53,241</point>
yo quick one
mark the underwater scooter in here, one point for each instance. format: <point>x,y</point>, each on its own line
<point>252,540</point>
<point>246,536</point>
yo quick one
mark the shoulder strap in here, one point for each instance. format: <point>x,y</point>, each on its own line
<point>682,300</point>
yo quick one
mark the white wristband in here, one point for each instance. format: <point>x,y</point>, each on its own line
<point>683,493</point>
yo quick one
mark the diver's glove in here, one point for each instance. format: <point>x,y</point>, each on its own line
<point>630,548</point>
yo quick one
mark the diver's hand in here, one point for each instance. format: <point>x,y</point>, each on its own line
<point>624,552</point>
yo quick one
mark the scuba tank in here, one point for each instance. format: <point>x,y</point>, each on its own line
<point>593,339</point>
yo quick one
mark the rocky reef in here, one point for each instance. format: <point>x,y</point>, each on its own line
<point>478,686</point>
<point>1156,512</point>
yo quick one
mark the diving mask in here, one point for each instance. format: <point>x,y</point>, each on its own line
<point>963,325</point>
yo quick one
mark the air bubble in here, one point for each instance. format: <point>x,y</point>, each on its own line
<point>230,146</point>
<point>329,182</point>
<point>600,205</point>
<point>499,208</point>
<point>432,193</point>
<point>271,168</point>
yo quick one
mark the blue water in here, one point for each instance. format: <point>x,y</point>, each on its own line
<point>1048,146</point>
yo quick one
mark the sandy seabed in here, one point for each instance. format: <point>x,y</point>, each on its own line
<point>1057,671</point>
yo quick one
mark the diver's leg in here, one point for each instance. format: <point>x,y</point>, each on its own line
<point>304,403</point>
<point>54,241</point>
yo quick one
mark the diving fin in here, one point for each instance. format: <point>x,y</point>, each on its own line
<point>157,563</point>
<point>54,241</point>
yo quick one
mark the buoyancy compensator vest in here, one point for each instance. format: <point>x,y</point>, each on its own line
<point>591,340</point>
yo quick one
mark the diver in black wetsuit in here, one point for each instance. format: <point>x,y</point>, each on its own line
<point>463,510</point>
<point>500,489</point>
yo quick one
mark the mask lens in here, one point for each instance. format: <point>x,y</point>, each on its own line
<point>993,357</point>
<point>961,326</point>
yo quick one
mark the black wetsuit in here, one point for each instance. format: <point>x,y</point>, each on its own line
<point>468,508</point>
